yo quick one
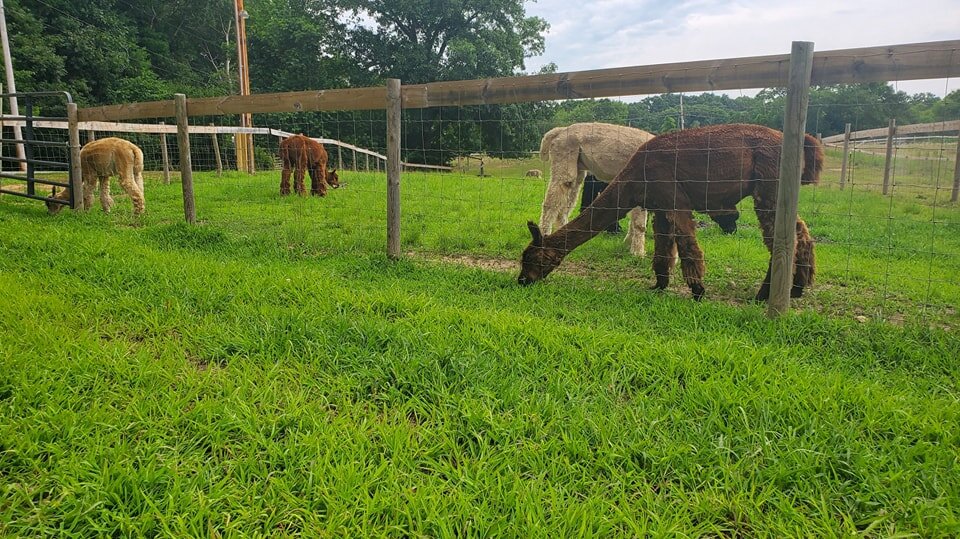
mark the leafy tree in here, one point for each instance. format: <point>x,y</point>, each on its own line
<point>296,45</point>
<point>865,106</point>
<point>946,109</point>
<point>421,41</point>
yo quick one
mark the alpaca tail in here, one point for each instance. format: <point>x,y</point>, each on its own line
<point>547,141</point>
<point>812,160</point>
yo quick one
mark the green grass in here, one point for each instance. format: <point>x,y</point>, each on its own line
<point>270,372</point>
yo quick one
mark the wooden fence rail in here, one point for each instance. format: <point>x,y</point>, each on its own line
<point>932,60</point>
<point>163,129</point>
<point>902,130</point>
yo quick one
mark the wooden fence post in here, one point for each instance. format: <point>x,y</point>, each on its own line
<point>354,160</point>
<point>788,192</point>
<point>340,157</point>
<point>394,107</point>
<point>91,136</point>
<point>216,151</point>
<point>186,167</point>
<point>165,156</point>
<point>76,175</point>
<point>956,174</point>
<point>846,151</point>
<point>366,162</point>
<point>891,132</point>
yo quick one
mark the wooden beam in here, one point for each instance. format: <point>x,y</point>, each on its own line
<point>186,166</point>
<point>888,162</point>
<point>129,111</point>
<point>846,154</point>
<point>872,64</point>
<point>216,152</point>
<point>166,158</point>
<point>911,129</point>
<point>791,167</point>
<point>76,171</point>
<point>933,60</point>
<point>394,109</point>
<point>345,99</point>
<point>956,175</point>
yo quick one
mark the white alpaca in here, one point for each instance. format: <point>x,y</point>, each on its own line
<point>101,159</point>
<point>603,149</point>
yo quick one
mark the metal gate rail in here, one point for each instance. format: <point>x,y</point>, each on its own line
<point>30,143</point>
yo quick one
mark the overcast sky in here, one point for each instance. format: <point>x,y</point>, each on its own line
<point>595,34</point>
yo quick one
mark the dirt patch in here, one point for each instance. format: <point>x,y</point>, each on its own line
<point>737,292</point>
<point>472,261</point>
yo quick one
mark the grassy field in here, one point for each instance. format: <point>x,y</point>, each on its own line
<point>268,372</point>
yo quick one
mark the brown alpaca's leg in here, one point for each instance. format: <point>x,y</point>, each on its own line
<point>764,205</point>
<point>285,180</point>
<point>804,261</point>
<point>664,249</point>
<point>691,256</point>
<point>298,174</point>
<point>318,183</point>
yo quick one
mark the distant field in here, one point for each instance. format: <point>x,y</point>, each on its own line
<point>269,372</point>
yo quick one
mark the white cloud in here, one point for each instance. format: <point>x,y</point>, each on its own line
<point>612,33</point>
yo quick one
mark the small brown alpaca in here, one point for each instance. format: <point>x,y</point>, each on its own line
<point>101,159</point>
<point>534,173</point>
<point>302,154</point>
<point>675,174</point>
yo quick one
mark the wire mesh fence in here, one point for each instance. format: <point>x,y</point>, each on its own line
<point>474,175</point>
<point>887,239</point>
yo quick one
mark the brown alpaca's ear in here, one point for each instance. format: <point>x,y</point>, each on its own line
<point>535,232</point>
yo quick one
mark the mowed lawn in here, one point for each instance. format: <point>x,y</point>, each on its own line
<point>269,372</point>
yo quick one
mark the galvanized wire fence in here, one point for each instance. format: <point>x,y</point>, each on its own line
<point>472,177</point>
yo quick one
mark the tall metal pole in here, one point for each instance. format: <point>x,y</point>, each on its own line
<point>11,85</point>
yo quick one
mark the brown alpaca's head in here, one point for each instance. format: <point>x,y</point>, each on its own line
<point>537,261</point>
<point>727,219</point>
<point>53,207</point>
<point>333,180</point>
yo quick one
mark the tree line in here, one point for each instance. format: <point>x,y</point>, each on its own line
<point>117,51</point>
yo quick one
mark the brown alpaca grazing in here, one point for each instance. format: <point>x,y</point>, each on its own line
<point>301,154</point>
<point>675,174</point>
<point>101,159</point>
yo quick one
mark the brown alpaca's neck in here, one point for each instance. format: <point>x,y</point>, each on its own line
<point>612,205</point>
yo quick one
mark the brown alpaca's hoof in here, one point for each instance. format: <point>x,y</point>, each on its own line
<point>697,291</point>
<point>763,295</point>
<point>662,282</point>
<point>796,292</point>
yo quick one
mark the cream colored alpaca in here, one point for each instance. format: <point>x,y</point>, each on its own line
<point>601,148</point>
<point>101,159</point>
